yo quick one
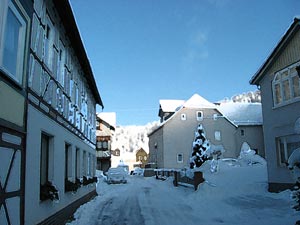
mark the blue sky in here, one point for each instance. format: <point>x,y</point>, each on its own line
<point>142,51</point>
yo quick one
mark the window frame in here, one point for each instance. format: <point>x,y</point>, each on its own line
<point>49,37</point>
<point>242,132</point>
<point>199,118</point>
<point>218,135</point>
<point>283,86</point>
<point>183,116</point>
<point>77,163</point>
<point>48,160</point>
<point>68,161</point>
<point>21,56</point>
<point>178,156</point>
<point>283,153</point>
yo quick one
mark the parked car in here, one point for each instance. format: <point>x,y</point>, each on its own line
<point>116,175</point>
<point>137,171</point>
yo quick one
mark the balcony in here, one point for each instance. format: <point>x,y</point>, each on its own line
<point>103,154</point>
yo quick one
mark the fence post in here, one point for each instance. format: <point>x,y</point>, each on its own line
<point>198,179</point>
<point>175,181</point>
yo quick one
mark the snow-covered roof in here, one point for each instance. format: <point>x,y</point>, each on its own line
<point>242,113</point>
<point>109,117</point>
<point>170,105</point>
<point>196,101</point>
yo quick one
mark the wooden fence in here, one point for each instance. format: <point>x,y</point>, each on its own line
<point>179,177</point>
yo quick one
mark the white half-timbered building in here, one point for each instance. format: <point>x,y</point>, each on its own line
<point>61,131</point>
<point>48,98</point>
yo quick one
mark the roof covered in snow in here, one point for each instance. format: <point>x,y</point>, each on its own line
<point>170,105</point>
<point>238,113</point>
<point>294,27</point>
<point>242,113</point>
<point>108,117</point>
<point>196,101</point>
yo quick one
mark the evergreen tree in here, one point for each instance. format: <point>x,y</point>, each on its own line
<point>201,147</point>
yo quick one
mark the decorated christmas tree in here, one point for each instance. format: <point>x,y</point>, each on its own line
<point>201,148</point>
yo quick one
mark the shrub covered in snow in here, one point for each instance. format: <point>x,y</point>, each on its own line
<point>201,148</point>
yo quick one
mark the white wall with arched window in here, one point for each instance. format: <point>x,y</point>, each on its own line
<point>285,86</point>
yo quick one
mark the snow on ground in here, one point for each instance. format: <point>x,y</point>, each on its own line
<point>236,194</point>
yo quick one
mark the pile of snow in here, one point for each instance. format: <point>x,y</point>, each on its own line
<point>249,156</point>
<point>294,164</point>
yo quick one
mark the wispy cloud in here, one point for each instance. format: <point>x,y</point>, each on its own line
<point>196,51</point>
<point>199,38</point>
<point>218,3</point>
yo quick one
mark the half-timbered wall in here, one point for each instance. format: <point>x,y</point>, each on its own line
<point>15,19</point>
<point>56,81</point>
<point>61,123</point>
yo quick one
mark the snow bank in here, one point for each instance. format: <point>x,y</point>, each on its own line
<point>249,157</point>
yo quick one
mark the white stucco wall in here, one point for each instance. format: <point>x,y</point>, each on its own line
<point>35,210</point>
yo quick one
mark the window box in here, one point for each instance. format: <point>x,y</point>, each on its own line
<point>72,186</point>
<point>48,191</point>
<point>89,180</point>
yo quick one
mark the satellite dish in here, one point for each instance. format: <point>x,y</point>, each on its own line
<point>297,126</point>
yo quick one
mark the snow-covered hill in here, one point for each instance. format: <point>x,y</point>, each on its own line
<point>129,139</point>
<point>132,138</point>
<point>250,97</point>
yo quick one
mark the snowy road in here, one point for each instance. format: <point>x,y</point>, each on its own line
<point>121,209</point>
<point>138,203</point>
<point>238,197</point>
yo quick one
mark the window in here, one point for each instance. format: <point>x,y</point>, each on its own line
<point>89,164</point>
<point>215,116</point>
<point>199,115</point>
<point>285,86</point>
<point>242,132</point>
<point>46,160</point>
<point>68,161</point>
<point>61,64</point>
<point>183,116</point>
<point>84,164</point>
<point>218,135</point>
<point>77,164</point>
<point>180,158</point>
<point>285,146</point>
<point>49,42</point>
<point>105,145</point>
<point>102,145</point>
<point>12,41</point>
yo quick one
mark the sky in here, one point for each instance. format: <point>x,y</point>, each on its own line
<point>142,51</point>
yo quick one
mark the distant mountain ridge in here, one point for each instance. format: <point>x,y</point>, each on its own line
<point>247,97</point>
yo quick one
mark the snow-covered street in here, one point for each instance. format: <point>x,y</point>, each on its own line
<point>236,194</point>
